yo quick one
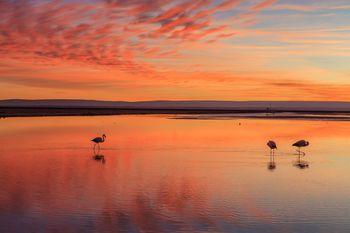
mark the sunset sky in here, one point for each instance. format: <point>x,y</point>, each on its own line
<point>175,49</point>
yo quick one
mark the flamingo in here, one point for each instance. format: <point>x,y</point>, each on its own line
<point>272,165</point>
<point>98,140</point>
<point>272,146</point>
<point>299,144</point>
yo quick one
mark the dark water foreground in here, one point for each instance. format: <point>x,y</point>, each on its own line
<point>172,175</point>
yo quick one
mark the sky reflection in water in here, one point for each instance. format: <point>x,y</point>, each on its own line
<point>174,175</point>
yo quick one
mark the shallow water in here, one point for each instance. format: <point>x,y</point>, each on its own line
<point>172,175</point>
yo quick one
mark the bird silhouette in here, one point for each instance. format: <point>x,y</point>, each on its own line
<point>300,144</point>
<point>98,140</point>
<point>271,164</point>
<point>273,146</point>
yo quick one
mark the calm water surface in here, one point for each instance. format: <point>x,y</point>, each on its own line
<point>172,175</point>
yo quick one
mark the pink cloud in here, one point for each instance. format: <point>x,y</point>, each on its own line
<point>264,4</point>
<point>109,33</point>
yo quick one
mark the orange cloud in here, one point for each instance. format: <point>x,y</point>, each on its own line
<point>168,49</point>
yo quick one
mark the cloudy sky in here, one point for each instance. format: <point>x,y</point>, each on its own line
<point>175,49</point>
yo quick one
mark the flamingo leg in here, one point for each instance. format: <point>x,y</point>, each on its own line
<point>270,158</point>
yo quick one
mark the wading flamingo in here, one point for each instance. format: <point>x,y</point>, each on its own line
<point>299,144</point>
<point>272,146</point>
<point>98,140</point>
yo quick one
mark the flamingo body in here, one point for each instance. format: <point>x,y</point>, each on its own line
<point>97,140</point>
<point>272,145</point>
<point>301,143</point>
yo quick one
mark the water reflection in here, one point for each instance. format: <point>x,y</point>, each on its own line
<point>271,165</point>
<point>168,175</point>
<point>174,205</point>
<point>300,163</point>
<point>99,157</point>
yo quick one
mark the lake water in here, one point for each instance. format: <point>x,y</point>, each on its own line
<point>172,175</point>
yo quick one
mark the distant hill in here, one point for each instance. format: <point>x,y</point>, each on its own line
<point>200,105</point>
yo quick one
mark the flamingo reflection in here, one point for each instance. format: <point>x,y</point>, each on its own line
<point>299,163</point>
<point>271,165</point>
<point>98,157</point>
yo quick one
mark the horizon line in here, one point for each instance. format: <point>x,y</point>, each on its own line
<point>169,100</point>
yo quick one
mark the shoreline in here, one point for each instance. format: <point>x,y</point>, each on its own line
<point>7,112</point>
